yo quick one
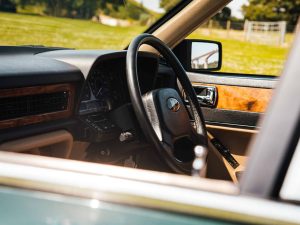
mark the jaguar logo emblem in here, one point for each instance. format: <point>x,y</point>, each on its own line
<point>173,104</point>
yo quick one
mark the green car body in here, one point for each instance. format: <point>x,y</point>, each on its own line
<point>36,208</point>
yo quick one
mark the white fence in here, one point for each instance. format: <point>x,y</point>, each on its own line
<point>271,33</point>
<point>265,32</point>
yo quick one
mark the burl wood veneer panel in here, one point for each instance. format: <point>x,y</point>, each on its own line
<point>242,98</point>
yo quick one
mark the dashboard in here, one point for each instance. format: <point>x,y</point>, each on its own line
<point>82,91</point>
<point>105,97</point>
<point>106,86</point>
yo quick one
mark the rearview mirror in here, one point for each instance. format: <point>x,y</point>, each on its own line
<point>200,55</point>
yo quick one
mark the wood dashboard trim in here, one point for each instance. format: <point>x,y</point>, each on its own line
<point>248,99</point>
<point>44,89</point>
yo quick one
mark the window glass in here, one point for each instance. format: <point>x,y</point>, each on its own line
<point>255,34</point>
<point>89,24</point>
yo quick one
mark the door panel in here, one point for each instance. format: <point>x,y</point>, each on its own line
<point>247,99</point>
<point>241,101</point>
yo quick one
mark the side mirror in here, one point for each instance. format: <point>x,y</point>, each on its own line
<point>199,55</point>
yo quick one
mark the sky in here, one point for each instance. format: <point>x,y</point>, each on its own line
<point>235,6</point>
<point>151,4</point>
<point>199,49</point>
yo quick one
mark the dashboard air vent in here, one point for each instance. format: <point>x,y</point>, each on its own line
<point>29,105</point>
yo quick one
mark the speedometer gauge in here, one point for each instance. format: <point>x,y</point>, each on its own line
<point>96,82</point>
<point>101,83</point>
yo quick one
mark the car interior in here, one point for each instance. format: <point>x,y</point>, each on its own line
<point>144,107</point>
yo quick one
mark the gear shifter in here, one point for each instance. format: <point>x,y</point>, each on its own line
<point>199,163</point>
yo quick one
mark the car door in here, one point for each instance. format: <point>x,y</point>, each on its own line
<point>240,99</point>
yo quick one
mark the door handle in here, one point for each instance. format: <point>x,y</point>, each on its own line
<point>207,96</point>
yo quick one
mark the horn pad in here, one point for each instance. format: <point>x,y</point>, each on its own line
<point>172,111</point>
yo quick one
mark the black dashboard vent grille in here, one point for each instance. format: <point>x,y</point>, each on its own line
<point>15,107</point>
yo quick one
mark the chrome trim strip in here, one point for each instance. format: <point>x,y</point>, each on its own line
<point>242,81</point>
<point>141,193</point>
<point>119,172</point>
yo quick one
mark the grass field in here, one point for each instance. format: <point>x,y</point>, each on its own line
<point>20,29</point>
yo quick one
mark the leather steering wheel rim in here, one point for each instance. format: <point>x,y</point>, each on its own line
<point>139,106</point>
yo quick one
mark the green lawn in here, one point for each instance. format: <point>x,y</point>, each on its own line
<point>20,29</point>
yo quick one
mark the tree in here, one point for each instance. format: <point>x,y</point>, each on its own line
<point>125,9</point>
<point>273,10</point>
<point>223,15</point>
<point>168,4</point>
<point>7,6</point>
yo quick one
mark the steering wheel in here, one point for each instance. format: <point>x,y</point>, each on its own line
<point>162,114</point>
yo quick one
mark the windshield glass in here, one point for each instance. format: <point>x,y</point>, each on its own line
<point>80,24</point>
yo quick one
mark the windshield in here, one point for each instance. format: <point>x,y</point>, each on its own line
<point>80,24</point>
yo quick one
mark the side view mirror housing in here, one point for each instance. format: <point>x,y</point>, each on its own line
<point>199,55</point>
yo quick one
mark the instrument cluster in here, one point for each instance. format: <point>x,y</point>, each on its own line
<point>105,96</point>
<point>103,91</point>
